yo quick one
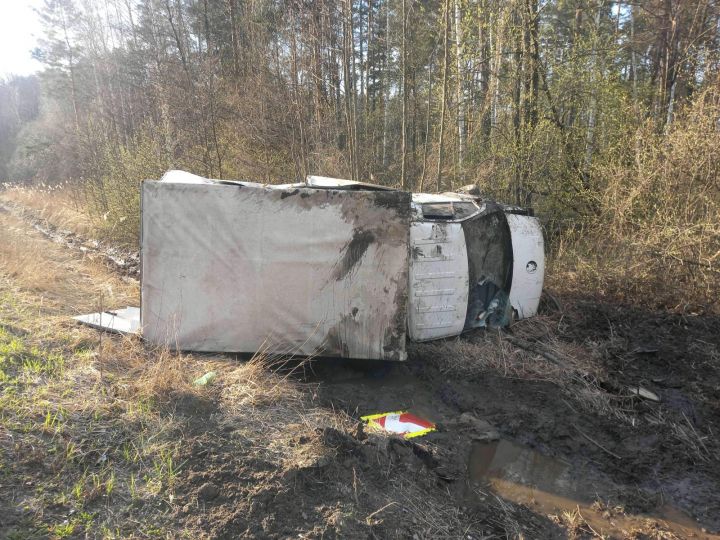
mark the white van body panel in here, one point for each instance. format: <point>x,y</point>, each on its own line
<point>528,264</point>
<point>230,267</point>
<point>438,280</point>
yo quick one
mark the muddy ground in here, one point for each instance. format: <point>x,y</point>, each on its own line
<point>516,456</point>
<point>541,434</point>
<point>659,459</point>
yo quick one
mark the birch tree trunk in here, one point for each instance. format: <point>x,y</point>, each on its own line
<point>349,84</point>
<point>460,91</point>
<point>427,128</point>
<point>633,56</point>
<point>495,72</point>
<point>592,110</point>
<point>386,86</point>
<point>443,98</point>
<point>403,134</point>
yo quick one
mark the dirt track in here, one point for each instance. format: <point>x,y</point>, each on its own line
<point>573,438</point>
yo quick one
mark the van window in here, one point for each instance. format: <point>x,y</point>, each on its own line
<point>448,210</point>
<point>438,211</point>
<point>464,209</point>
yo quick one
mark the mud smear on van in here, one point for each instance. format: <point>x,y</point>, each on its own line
<point>353,252</point>
<point>396,200</point>
<point>286,194</point>
<point>556,488</point>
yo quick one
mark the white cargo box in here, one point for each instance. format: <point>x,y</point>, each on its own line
<point>237,267</point>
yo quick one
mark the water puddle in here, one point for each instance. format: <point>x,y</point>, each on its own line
<point>552,487</point>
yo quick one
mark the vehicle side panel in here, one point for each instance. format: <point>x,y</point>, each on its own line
<point>235,268</point>
<point>438,280</point>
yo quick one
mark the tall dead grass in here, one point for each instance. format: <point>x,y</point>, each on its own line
<point>62,205</point>
<point>19,256</point>
<point>655,240</point>
<point>498,352</point>
<point>158,376</point>
<point>41,266</point>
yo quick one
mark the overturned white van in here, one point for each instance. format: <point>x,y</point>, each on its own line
<point>473,263</point>
<point>327,267</point>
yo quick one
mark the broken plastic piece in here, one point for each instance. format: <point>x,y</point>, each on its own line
<point>122,321</point>
<point>206,379</point>
<point>645,393</point>
<point>400,423</point>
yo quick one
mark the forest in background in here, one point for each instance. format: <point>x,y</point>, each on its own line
<point>603,116</point>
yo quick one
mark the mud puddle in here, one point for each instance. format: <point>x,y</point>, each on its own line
<point>553,487</point>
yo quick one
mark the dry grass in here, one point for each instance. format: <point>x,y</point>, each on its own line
<point>627,270</point>
<point>62,205</point>
<point>97,412</point>
<point>532,352</point>
<point>19,256</point>
<point>112,420</point>
<point>24,256</point>
<point>550,358</point>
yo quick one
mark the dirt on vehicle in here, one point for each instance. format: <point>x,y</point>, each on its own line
<point>592,420</point>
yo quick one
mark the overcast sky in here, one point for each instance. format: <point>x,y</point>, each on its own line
<point>19,28</point>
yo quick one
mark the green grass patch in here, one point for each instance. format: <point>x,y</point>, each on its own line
<point>17,357</point>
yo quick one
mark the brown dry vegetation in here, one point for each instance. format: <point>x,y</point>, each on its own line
<point>102,436</point>
<point>62,205</point>
<point>24,256</point>
<point>653,239</point>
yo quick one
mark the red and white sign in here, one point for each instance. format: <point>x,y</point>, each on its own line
<point>400,423</point>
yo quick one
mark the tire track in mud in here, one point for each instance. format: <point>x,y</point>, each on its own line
<point>125,262</point>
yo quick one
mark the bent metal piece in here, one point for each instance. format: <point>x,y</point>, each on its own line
<point>120,321</point>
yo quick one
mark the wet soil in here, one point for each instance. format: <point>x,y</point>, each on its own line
<point>550,486</point>
<point>657,466</point>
